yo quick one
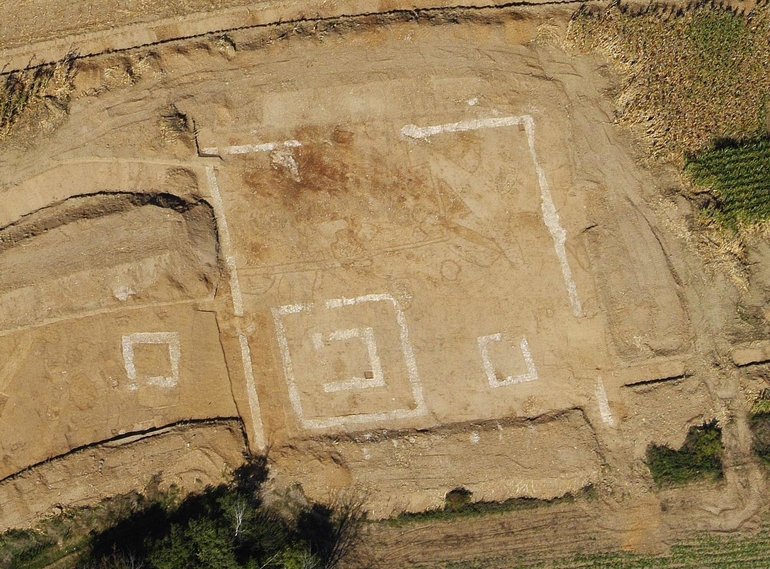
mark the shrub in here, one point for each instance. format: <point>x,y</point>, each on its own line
<point>22,90</point>
<point>700,457</point>
<point>760,431</point>
<point>457,499</point>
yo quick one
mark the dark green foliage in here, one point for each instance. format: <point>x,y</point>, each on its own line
<point>203,542</point>
<point>760,430</point>
<point>457,499</point>
<point>699,458</point>
<point>738,175</point>
<point>458,503</point>
<point>20,548</point>
<point>223,527</point>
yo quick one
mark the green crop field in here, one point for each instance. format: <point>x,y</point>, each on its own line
<point>738,177</point>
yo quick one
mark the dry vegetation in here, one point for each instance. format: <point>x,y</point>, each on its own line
<point>696,88</point>
<point>689,80</point>
<point>40,94</point>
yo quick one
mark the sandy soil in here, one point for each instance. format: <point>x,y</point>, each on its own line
<point>410,257</point>
<point>32,21</point>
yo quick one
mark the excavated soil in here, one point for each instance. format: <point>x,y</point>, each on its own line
<point>407,256</point>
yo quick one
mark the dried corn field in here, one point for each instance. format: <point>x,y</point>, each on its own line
<point>688,80</point>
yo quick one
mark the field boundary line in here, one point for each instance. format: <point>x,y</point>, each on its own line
<point>227,248</point>
<point>255,411</point>
<point>103,311</point>
<point>128,438</point>
<point>249,148</point>
<point>550,215</point>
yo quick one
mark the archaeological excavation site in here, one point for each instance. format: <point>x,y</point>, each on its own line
<point>313,284</point>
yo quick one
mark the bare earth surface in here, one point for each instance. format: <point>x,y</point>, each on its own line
<point>408,257</point>
<point>31,21</point>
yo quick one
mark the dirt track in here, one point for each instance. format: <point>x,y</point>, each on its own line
<point>409,257</point>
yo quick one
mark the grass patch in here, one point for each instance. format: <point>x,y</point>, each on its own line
<point>59,536</point>
<point>762,403</point>
<point>690,82</point>
<point>21,548</point>
<point>700,457</point>
<point>738,176</point>
<point>701,551</point>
